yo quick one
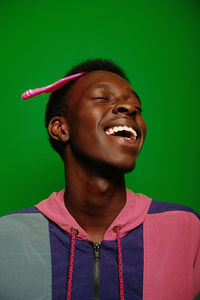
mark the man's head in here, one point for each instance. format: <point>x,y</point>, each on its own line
<point>97,117</point>
<point>58,101</point>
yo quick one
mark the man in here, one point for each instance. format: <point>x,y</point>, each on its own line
<point>95,239</point>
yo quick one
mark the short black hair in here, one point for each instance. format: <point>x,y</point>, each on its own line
<point>57,105</point>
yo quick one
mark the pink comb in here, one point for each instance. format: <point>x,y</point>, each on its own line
<point>50,88</point>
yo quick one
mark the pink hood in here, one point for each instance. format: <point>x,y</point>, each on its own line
<point>132,215</point>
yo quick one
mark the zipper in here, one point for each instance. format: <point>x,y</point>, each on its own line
<point>96,251</point>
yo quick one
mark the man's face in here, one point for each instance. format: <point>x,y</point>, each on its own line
<point>105,122</point>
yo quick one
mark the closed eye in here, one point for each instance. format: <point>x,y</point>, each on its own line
<point>101,98</point>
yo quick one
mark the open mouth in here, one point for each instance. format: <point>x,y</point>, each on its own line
<point>123,131</point>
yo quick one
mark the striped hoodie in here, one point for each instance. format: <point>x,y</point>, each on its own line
<point>151,251</point>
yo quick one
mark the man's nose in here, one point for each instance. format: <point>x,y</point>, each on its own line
<point>125,107</point>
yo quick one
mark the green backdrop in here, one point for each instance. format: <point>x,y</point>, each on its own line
<point>156,42</point>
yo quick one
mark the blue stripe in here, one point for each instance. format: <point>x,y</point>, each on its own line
<point>82,285</point>
<point>159,207</point>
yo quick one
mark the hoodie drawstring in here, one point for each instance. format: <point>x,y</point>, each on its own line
<point>120,270</point>
<point>74,232</point>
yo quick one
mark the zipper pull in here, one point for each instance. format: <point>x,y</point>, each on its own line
<point>96,248</point>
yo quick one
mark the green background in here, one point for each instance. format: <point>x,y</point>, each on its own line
<point>157,43</point>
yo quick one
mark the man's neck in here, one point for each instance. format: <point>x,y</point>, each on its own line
<point>93,200</point>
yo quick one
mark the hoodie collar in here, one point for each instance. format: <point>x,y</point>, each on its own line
<point>131,216</point>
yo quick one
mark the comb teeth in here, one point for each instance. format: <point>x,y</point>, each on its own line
<point>27,94</point>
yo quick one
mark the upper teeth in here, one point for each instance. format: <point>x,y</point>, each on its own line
<point>122,128</point>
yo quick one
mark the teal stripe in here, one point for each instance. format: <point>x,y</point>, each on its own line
<point>25,258</point>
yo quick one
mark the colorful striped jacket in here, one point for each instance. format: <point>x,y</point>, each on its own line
<point>159,243</point>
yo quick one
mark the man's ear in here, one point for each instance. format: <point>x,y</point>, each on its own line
<point>58,129</point>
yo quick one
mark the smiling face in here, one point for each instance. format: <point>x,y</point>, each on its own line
<point>105,123</point>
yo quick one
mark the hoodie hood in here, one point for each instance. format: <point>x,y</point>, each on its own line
<point>130,217</point>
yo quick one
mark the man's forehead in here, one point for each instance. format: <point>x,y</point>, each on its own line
<point>105,86</point>
<point>99,79</point>
<point>95,77</point>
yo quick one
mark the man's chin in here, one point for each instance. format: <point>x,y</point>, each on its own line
<point>128,169</point>
<point>122,168</point>
<point>109,167</point>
